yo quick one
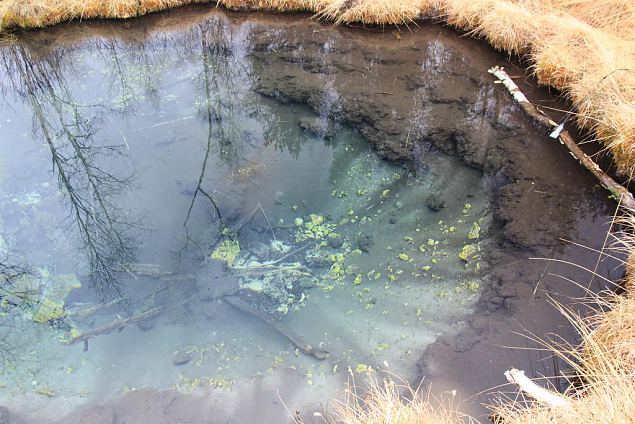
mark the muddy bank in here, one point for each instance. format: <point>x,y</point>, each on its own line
<point>432,95</point>
<point>415,97</point>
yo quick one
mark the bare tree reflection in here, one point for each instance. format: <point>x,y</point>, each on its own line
<point>220,78</point>
<point>78,161</point>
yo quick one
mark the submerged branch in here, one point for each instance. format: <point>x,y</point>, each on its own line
<point>295,339</point>
<point>617,190</point>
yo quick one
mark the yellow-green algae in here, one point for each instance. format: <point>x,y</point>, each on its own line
<point>227,251</point>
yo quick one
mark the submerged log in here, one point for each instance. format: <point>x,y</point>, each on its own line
<point>94,309</point>
<point>295,339</point>
<point>118,324</point>
<point>621,194</point>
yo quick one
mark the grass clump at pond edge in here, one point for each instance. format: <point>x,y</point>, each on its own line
<point>584,48</point>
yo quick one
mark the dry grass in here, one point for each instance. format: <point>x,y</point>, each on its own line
<point>605,361</point>
<point>387,402</point>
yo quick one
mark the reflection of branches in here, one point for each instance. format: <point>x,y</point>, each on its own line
<point>10,295</point>
<point>218,81</point>
<point>9,273</point>
<point>90,188</point>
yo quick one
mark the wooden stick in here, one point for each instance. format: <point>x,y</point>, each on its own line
<point>621,194</point>
<point>295,339</point>
<point>542,395</point>
<point>92,310</point>
<point>118,324</point>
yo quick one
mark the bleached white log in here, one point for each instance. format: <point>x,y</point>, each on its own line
<point>534,391</point>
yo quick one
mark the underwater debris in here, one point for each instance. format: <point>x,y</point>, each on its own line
<point>46,391</point>
<point>277,325</point>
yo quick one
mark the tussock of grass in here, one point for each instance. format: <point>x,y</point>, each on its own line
<point>386,402</point>
<point>604,363</point>
<point>373,11</point>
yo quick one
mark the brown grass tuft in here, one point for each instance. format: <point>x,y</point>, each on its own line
<point>508,27</point>
<point>387,402</point>
<point>380,12</point>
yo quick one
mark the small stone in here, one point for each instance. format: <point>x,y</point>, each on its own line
<point>365,243</point>
<point>335,242</point>
<point>146,325</point>
<point>392,221</point>
<point>278,197</point>
<point>398,204</point>
<point>181,358</point>
<point>435,202</point>
<point>306,283</point>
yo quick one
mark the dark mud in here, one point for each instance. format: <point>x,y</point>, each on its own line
<point>423,93</point>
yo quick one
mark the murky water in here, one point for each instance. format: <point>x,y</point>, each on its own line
<point>208,207</point>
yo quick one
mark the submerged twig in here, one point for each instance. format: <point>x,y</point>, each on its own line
<point>118,324</point>
<point>267,219</point>
<point>295,339</point>
<point>619,192</point>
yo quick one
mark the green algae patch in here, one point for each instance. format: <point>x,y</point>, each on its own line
<point>48,310</point>
<point>315,228</point>
<point>475,231</point>
<point>468,252</point>
<point>47,294</point>
<point>227,251</point>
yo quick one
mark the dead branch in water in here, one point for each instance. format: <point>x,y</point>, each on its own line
<point>542,395</point>
<point>118,324</point>
<point>295,339</point>
<point>617,190</point>
<point>94,309</point>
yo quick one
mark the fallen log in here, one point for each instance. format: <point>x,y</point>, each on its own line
<point>621,194</point>
<point>542,395</point>
<point>118,324</point>
<point>295,339</point>
<point>94,309</point>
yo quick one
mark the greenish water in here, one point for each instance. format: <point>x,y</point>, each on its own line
<point>146,184</point>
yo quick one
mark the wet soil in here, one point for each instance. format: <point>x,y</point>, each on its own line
<point>412,93</point>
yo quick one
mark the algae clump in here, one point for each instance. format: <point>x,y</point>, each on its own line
<point>54,292</point>
<point>468,252</point>
<point>49,310</point>
<point>227,251</point>
<point>474,232</point>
